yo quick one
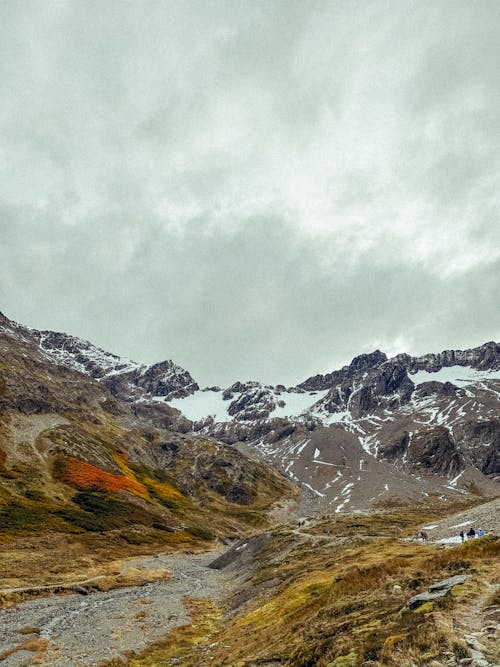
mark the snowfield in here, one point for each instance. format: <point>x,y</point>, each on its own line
<point>203,404</point>
<point>296,404</point>
<point>460,376</point>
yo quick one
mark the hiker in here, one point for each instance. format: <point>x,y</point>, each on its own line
<point>471,534</point>
<point>480,532</point>
<point>462,536</point>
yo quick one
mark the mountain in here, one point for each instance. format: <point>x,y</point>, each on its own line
<point>377,431</point>
<point>78,458</point>
<point>121,482</point>
<point>122,377</point>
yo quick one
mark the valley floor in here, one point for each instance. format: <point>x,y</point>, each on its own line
<point>72,630</point>
<point>331,593</point>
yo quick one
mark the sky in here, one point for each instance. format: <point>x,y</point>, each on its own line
<point>256,190</point>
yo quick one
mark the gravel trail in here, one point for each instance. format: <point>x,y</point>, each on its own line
<point>82,630</point>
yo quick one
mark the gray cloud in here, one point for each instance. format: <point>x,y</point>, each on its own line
<point>254,189</point>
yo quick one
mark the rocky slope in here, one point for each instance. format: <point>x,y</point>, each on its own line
<point>77,459</point>
<point>123,377</point>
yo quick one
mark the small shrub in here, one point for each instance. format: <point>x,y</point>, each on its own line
<point>458,565</point>
<point>18,517</point>
<point>34,494</point>
<point>29,630</point>
<point>99,512</point>
<point>460,651</point>
<point>349,660</point>
<point>200,533</point>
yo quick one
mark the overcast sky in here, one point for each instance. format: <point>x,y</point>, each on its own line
<point>253,189</point>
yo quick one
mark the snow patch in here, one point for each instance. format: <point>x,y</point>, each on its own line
<point>460,525</point>
<point>296,403</point>
<point>454,481</point>
<point>455,539</point>
<point>318,493</point>
<point>202,404</point>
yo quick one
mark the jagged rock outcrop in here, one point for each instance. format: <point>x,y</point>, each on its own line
<point>485,357</point>
<point>437,590</point>
<point>483,444</point>
<point>164,379</point>
<point>343,376</point>
<point>395,449</point>
<point>435,451</point>
<point>435,389</point>
<point>257,403</point>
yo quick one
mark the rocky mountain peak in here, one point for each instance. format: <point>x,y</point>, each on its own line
<point>126,379</point>
<point>364,362</point>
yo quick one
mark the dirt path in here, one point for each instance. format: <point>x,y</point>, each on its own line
<point>479,625</point>
<point>75,630</point>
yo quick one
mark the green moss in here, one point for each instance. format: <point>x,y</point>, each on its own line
<point>99,512</point>
<point>15,516</point>
<point>424,608</point>
<point>200,533</point>
<point>349,660</point>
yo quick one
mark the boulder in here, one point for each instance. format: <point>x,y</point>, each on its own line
<point>437,590</point>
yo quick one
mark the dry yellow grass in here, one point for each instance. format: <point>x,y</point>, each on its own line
<point>34,645</point>
<point>324,603</point>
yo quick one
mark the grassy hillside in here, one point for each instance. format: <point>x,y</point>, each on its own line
<point>85,480</point>
<point>336,596</point>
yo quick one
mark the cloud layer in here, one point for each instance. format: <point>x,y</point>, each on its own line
<point>256,190</point>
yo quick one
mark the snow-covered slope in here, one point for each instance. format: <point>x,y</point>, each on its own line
<point>373,431</point>
<point>260,402</point>
<point>126,379</point>
<point>461,376</point>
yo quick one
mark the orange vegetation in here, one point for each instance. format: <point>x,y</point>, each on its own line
<point>162,490</point>
<point>86,476</point>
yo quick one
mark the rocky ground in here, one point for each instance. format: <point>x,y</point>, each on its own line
<point>75,630</point>
<point>485,516</point>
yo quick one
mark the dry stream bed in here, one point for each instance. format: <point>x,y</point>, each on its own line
<point>73,630</point>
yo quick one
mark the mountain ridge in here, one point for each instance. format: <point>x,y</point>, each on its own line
<point>401,427</point>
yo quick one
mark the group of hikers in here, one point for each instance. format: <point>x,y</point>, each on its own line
<point>471,534</point>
